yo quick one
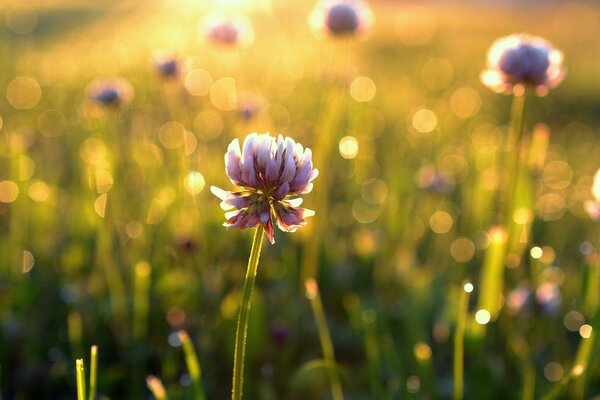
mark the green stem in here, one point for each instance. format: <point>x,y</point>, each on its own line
<point>80,379</point>
<point>193,364</point>
<point>459,344</point>
<point>242,323</point>
<point>93,373</point>
<point>529,381</point>
<point>326,133</point>
<point>312,292</point>
<point>513,153</point>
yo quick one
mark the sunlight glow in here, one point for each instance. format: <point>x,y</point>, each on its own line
<point>348,147</point>
<point>8,191</point>
<point>585,331</point>
<point>482,317</point>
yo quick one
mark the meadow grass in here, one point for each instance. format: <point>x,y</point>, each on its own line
<point>109,236</point>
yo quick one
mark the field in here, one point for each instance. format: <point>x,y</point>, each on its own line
<point>426,242</point>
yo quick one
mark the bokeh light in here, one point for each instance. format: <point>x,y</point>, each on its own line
<point>23,93</point>
<point>348,147</point>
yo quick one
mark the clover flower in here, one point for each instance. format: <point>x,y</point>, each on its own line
<point>228,31</point>
<point>110,92</point>
<point>168,66</point>
<point>341,17</point>
<point>248,106</point>
<point>521,60</point>
<point>271,173</point>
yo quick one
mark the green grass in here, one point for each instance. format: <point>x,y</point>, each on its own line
<point>400,227</point>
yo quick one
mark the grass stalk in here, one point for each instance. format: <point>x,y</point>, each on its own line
<point>242,323</point>
<point>325,135</point>
<point>157,388</point>
<point>193,365</point>
<point>74,331</point>
<point>312,293</point>
<point>140,303</point>
<point>93,372</point>
<point>492,274</point>
<point>529,381</point>
<point>459,341</point>
<point>80,371</point>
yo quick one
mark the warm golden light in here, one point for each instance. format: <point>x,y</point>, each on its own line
<point>348,147</point>
<point>194,182</point>
<point>482,317</point>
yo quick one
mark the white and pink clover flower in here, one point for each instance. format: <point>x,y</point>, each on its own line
<point>271,172</point>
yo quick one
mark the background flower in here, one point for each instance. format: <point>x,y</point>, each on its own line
<point>522,59</point>
<point>341,18</point>
<point>228,31</point>
<point>110,92</point>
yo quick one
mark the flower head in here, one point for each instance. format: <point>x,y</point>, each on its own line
<point>271,172</point>
<point>228,31</point>
<point>248,106</point>
<point>341,17</point>
<point>523,60</point>
<point>110,92</point>
<point>169,66</point>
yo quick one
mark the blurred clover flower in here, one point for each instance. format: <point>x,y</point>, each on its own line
<point>169,66</point>
<point>341,17</point>
<point>248,106</point>
<point>522,60</point>
<point>271,173</point>
<point>110,92</point>
<point>228,31</point>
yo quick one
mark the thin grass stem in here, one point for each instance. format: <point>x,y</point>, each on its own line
<point>193,365</point>
<point>93,372</point>
<point>157,388</point>
<point>80,371</point>
<point>459,341</point>
<point>529,382</point>
<point>312,293</point>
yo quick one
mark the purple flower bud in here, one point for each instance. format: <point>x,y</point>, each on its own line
<point>523,60</point>
<point>341,17</point>
<point>228,31</point>
<point>248,106</point>
<point>271,173</point>
<point>110,92</point>
<point>169,66</point>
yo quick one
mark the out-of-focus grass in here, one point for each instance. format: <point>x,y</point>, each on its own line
<point>407,217</point>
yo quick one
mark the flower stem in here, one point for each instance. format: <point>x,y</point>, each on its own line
<point>513,152</point>
<point>312,292</point>
<point>242,323</point>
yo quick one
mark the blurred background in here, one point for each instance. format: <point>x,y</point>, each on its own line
<point>110,236</point>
